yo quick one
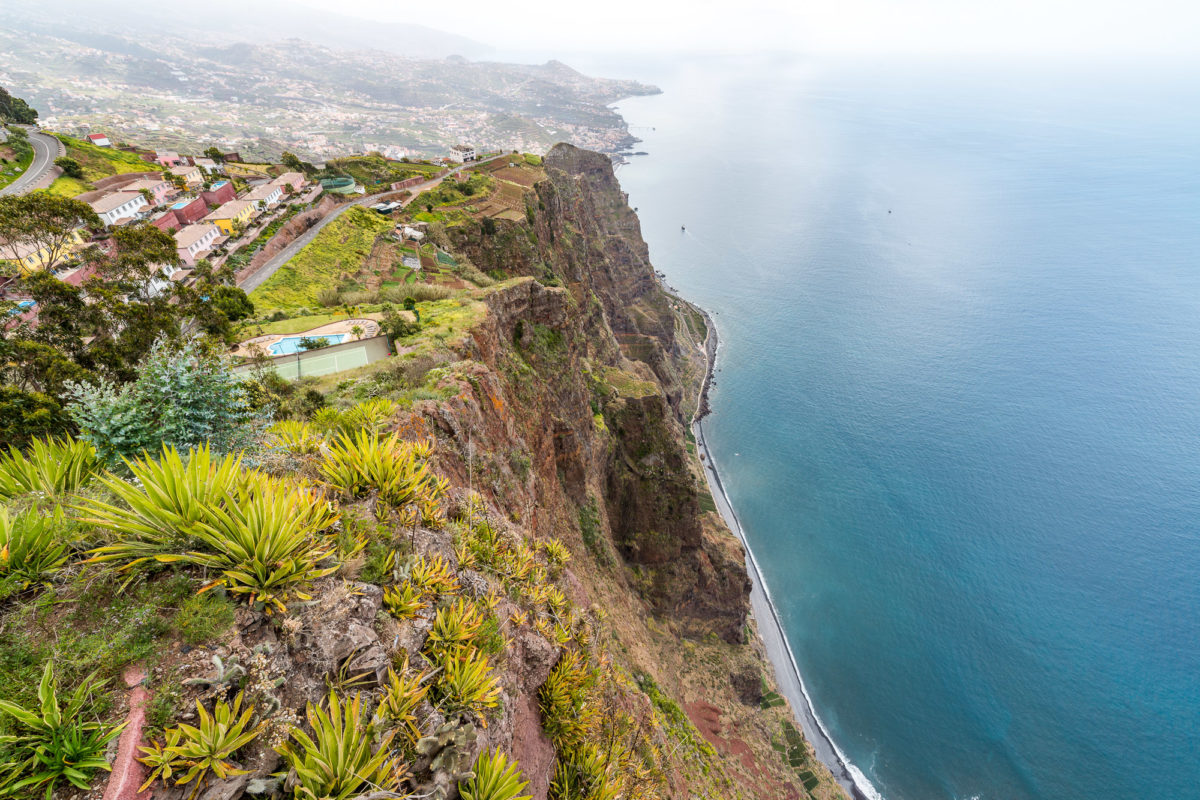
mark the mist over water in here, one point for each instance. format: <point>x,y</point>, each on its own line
<point>958,406</point>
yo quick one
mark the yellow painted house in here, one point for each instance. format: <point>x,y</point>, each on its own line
<point>235,213</point>
<point>30,257</point>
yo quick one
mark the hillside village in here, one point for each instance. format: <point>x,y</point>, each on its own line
<point>214,207</point>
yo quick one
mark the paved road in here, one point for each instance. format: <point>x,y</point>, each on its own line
<point>45,149</point>
<point>285,255</point>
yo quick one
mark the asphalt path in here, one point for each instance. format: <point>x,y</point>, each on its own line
<point>45,149</point>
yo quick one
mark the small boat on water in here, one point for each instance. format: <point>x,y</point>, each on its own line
<point>682,229</point>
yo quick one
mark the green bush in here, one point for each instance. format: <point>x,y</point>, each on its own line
<point>203,617</point>
<point>183,396</point>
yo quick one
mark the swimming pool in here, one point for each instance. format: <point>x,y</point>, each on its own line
<point>291,344</point>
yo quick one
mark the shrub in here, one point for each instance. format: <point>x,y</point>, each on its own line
<point>54,742</point>
<point>183,397</point>
<point>30,552</point>
<point>495,778</point>
<point>203,749</point>
<point>53,467</point>
<point>339,761</point>
<point>202,617</point>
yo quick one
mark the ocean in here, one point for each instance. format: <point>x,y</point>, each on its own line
<point>957,405</point>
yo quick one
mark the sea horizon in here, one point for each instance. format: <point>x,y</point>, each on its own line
<point>854,138</point>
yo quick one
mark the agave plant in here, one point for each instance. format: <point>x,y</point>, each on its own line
<point>30,550</point>
<point>166,506</point>
<point>405,601</point>
<point>495,778</point>
<point>557,554</point>
<point>585,774</point>
<point>53,467</point>
<point>401,696</point>
<point>454,626</point>
<point>466,683</point>
<point>360,463</point>
<point>263,550</point>
<point>433,576</point>
<point>54,742</point>
<point>200,751</point>
<point>339,760</point>
<point>295,437</point>
<point>563,700</point>
<point>256,531</point>
<point>371,415</point>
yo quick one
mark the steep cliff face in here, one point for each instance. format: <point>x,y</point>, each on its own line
<point>615,370</point>
<point>561,407</point>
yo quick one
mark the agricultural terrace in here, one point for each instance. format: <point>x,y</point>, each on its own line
<point>97,163</point>
<point>376,173</point>
<point>339,250</point>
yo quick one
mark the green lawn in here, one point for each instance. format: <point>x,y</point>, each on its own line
<point>101,162</point>
<point>340,248</point>
<point>14,169</point>
<point>69,187</point>
<point>299,324</point>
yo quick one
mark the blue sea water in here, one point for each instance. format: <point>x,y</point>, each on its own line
<point>958,400</point>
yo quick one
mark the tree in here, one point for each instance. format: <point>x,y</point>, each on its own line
<point>43,222</point>
<point>488,226</point>
<point>14,109</point>
<point>184,395</point>
<point>215,154</point>
<point>70,167</point>
<point>397,325</point>
<point>28,415</point>
<point>356,331</point>
<point>292,161</point>
<point>307,343</point>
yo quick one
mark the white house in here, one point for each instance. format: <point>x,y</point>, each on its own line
<point>118,206</point>
<point>99,139</point>
<point>413,233</point>
<point>462,153</point>
<point>195,240</point>
<point>264,196</point>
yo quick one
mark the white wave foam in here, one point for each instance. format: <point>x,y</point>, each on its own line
<point>860,780</point>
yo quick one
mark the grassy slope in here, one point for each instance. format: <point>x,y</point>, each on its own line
<point>340,247</point>
<point>14,169</point>
<point>97,163</point>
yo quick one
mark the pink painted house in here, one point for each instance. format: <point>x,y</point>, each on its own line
<point>168,158</point>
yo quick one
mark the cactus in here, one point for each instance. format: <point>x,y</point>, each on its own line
<point>450,749</point>
<point>227,673</point>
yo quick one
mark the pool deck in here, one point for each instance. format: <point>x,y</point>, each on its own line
<point>261,345</point>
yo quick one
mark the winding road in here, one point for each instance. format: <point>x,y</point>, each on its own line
<point>45,149</point>
<point>258,278</point>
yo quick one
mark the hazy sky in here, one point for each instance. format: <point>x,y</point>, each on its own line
<point>1103,27</point>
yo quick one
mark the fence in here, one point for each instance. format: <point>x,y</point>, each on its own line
<point>325,361</point>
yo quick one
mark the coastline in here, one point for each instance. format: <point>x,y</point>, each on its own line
<point>770,627</point>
